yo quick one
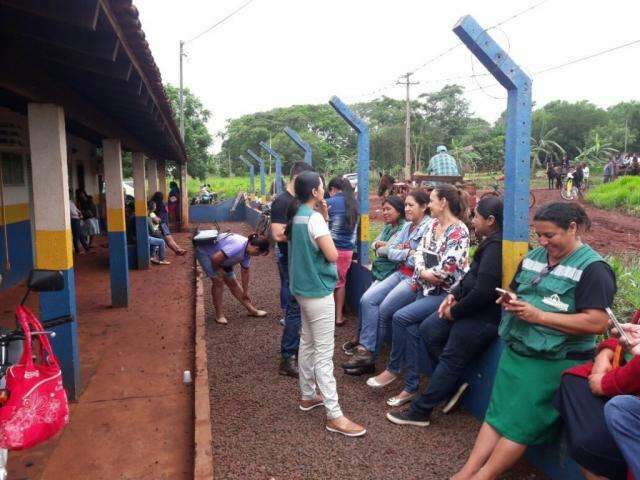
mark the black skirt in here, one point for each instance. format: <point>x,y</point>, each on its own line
<point>590,443</point>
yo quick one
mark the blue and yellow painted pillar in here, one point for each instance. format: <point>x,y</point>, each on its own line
<point>278,158</point>
<point>184,201</point>
<point>297,139</point>
<point>263,180</point>
<point>52,231</point>
<point>252,173</point>
<point>517,139</point>
<point>116,227</point>
<point>142,232</point>
<point>152,176</point>
<point>362,129</point>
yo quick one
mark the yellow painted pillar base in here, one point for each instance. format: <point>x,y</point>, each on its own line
<point>512,254</point>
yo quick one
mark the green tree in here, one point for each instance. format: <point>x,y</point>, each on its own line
<point>197,139</point>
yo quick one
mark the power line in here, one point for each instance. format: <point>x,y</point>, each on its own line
<point>451,49</point>
<point>588,57</point>
<point>220,22</point>
<point>568,63</point>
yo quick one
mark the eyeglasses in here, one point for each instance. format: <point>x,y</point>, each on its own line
<point>543,273</point>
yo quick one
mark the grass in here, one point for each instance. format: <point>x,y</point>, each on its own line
<point>627,270</point>
<point>225,187</point>
<point>623,194</point>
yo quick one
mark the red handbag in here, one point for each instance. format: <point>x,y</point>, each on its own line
<point>37,407</point>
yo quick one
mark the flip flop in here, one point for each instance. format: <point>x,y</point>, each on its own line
<point>259,314</point>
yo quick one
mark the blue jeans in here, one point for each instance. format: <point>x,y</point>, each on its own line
<point>284,280</point>
<point>377,306</point>
<point>159,244</point>
<point>451,346</point>
<point>622,414</point>
<point>291,331</point>
<point>401,352</point>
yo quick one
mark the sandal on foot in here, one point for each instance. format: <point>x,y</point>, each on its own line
<point>221,321</point>
<point>397,400</point>
<point>258,313</point>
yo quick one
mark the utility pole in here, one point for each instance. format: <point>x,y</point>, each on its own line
<point>181,92</point>
<point>269,153</point>
<point>407,132</point>
<point>229,157</point>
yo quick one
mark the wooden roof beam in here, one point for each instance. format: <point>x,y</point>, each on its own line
<point>81,13</point>
<point>102,44</point>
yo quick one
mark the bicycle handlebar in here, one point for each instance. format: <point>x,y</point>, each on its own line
<point>18,334</point>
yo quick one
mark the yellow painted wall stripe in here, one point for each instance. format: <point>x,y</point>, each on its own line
<point>512,254</point>
<point>141,208</point>
<point>364,227</point>
<point>115,220</point>
<point>53,250</point>
<point>15,213</point>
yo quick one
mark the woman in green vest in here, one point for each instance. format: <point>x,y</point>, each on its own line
<point>312,280</point>
<point>549,324</point>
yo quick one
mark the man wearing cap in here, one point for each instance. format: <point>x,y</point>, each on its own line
<point>443,164</point>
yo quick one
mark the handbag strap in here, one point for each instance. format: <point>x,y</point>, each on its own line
<point>46,351</point>
<point>22,316</point>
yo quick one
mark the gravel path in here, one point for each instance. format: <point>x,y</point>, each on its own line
<point>259,432</point>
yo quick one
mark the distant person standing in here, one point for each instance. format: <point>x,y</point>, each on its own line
<point>443,164</point>
<point>173,203</point>
<point>609,171</point>
<point>585,174</point>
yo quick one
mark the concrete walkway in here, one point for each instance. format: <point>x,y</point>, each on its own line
<point>134,418</point>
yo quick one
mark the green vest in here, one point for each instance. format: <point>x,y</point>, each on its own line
<point>310,275</point>
<point>554,293</point>
<point>383,267</point>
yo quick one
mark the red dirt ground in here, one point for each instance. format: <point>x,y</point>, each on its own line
<point>259,432</point>
<point>134,419</point>
<point>611,232</point>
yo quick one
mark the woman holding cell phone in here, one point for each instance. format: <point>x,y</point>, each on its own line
<point>562,289</point>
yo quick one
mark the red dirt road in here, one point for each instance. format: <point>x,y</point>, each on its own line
<point>611,232</point>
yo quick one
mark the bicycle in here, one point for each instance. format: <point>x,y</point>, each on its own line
<point>11,341</point>
<point>568,190</point>
<point>263,227</point>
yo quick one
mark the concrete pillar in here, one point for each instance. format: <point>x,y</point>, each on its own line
<point>118,262</point>
<point>142,232</point>
<point>162,178</point>
<point>152,175</point>
<point>52,231</point>
<point>184,201</point>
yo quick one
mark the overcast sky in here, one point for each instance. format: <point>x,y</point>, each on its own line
<point>277,53</point>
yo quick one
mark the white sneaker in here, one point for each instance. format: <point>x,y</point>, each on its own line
<point>455,400</point>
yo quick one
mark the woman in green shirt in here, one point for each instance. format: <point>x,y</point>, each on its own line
<point>312,280</point>
<point>393,216</point>
<point>549,324</point>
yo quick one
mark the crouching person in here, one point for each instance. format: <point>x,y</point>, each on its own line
<point>465,324</point>
<point>217,261</point>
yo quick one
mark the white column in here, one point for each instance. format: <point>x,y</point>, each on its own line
<point>152,173</point>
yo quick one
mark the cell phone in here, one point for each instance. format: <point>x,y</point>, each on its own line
<point>616,324</point>
<point>507,293</point>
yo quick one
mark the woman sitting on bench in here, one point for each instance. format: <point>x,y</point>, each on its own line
<point>465,324</point>
<point>563,288</point>
<point>581,400</point>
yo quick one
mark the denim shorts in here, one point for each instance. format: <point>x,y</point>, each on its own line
<point>207,265</point>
